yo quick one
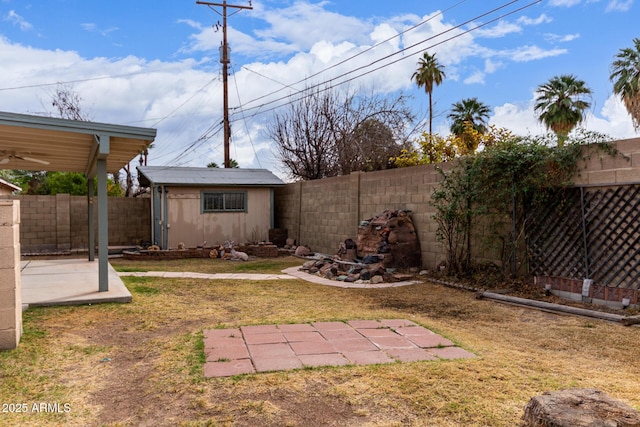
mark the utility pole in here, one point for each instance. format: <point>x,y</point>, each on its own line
<point>224,59</point>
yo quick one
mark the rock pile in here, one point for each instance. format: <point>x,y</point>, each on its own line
<point>392,235</point>
<point>338,269</point>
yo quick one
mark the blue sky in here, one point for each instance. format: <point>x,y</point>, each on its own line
<point>156,64</point>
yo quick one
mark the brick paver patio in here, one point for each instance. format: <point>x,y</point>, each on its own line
<point>264,348</point>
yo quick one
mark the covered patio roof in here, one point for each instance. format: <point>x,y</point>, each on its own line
<point>50,144</point>
<point>40,143</point>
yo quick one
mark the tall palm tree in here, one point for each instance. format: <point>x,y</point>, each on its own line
<point>429,73</point>
<point>469,111</point>
<point>625,75</point>
<point>561,104</point>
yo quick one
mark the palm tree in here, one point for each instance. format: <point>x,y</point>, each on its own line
<point>625,76</point>
<point>560,104</point>
<point>232,164</point>
<point>429,73</point>
<point>469,111</point>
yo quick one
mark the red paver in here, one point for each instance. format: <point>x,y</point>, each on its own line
<point>385,343</point>
<point>277,364</point>
<point>259,329</point>
<point>298,327</point>
<point>264,348</point>
<point>426,341</point>
<point>365,324</point>
<point>331,326</point>
<point>227,369</point>
<point>360,344</point>
<point>413,331</point>
<point>230,353</point>
<point>307,347</point>
<point>410,354</point>
<point>341,334</point>
<point>267,338</point>
<point>316,360</point>
<point>378,332</point>
<point>270,351</point>
<point>396,323</point>
<point>304,336</point>
<point>222,333</point>
<point>367,357</point>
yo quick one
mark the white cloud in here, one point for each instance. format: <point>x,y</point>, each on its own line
<point>531,53</point>
<point>491,66</point>
<point>521,119</point>
<point>561,38</point>
<point>501,29</point>
<point>302,24</point>
<point>542,19</point>
<point>18,20</point>
<point>93,28</point>
<point>564,3</point>
<point>475,78</point>
<point>619,5</point>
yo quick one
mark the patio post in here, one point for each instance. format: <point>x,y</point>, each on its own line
<point>103,223</point>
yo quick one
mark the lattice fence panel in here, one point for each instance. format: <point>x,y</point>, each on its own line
<point>613,236</point>
<point>556,241</point>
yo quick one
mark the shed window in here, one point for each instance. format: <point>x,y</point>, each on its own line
<point>224,202</point>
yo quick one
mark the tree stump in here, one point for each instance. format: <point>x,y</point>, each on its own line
<point>579,408</point>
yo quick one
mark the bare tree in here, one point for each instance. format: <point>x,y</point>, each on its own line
<point>326,133</point>
<point>67,103</point>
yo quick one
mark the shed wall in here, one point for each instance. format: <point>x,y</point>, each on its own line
<point>188,225</point>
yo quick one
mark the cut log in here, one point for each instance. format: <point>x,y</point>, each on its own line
<point>578,408</point>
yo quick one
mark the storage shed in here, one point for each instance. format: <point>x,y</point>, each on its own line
<point>7,188</point>
<point>192,205</point>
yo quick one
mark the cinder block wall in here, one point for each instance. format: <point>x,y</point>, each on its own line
<point>10,284</point>
<point>323,213</point>
<point>60,223</point>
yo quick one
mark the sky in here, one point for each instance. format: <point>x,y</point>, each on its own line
<point>156,64</point>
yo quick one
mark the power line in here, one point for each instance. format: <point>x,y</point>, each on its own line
<point>329,83</point>
<point>349,58</point>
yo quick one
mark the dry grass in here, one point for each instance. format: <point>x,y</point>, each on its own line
<point>154,372</point>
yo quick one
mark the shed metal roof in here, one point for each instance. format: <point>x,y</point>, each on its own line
<point>197,177</point>
<point>9,185</point>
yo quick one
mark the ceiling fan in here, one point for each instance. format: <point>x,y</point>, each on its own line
<point>7,156</point>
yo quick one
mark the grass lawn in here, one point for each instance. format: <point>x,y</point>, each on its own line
<point>141,363</point>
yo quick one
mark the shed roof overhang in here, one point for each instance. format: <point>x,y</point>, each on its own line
<point>31,142</point>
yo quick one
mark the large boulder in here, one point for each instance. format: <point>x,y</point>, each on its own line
<point>578,408</point>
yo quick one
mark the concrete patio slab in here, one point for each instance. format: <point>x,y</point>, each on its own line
<point>281,347</point>
<point>68,282</point>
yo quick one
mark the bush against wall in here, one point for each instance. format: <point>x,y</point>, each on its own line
<point>497,187</point>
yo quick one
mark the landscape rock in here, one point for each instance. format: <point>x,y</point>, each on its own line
<point>578,408</point>
<point>392,236</point>
<point>303,251</point>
